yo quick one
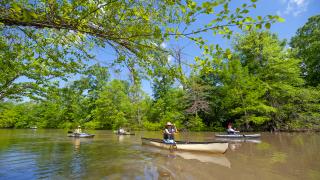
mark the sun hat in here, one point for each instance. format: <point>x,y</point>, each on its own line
<point>169,124</point>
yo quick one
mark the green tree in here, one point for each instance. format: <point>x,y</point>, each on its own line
<point>27,67</point>
<point>244,95</point>
<point>306,44</point>
<point>113,107</point>
<point>278,70</point>
<point>55,36</point>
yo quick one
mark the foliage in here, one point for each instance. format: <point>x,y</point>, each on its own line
<point>279,71</point>
<point>195,124</point>
<point>306,44</point>
<point>257,84</point>
<point>45,39</point>
<point>28,67</point>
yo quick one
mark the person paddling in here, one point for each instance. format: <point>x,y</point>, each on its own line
<point>78,130</point>
<point>168,133</point>
<point>121,131</point>
<point>230,130</point>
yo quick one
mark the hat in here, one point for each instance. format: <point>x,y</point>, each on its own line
<point>79,126</point>
<point>169,124</point>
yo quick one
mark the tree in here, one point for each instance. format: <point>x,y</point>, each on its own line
<point>306,43</point>
<point>279,71</point>
<point>28,66</point>
<point>57,35</point>
<point>113,107</point>
<point>244,96</point>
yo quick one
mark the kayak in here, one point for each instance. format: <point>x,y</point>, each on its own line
<point>238,135</point>
<point>212,147</point>
<point>81,135</point>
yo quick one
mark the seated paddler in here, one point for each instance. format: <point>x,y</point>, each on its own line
<point>168,133</point>
<point>230,130</point>
<point>78,130</point>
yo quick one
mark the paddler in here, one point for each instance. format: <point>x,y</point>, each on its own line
<point>168,133</point>
<point>230,130</point>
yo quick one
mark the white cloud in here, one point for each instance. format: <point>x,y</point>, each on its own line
<point>170,59</point>
<point>294,7</point>
<point>163,45</point>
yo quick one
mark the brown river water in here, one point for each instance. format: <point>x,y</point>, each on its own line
<point>50,154</point>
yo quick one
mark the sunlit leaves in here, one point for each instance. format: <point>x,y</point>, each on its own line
<point>267,25</point>
<point>306,45</point>
<point>131,29</point>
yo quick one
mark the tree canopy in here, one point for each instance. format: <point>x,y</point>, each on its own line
<point>56,36</point>
<point>306,43</point>
<point>256,84</point>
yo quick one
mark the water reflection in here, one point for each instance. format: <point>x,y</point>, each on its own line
<point>50,154</point>
<point>236,143</point>
<point>218,159</point>
<point>124,138</point>
<point>78,141</point>
<point>240,140</point>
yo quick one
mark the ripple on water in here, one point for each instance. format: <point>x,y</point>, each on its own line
<point>15,164</point>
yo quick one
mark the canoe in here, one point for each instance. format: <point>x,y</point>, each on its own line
<point>81,135</point>
<point>219,159</point>
<point>211,147</point>
<point>238,135</point>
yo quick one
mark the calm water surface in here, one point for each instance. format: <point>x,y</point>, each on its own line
<point>50,154</point>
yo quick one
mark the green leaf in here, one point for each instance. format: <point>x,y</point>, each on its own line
<point>16,7</point>
<point>245,11</point>
<point>267,25</point>
<point>258,26</point>
<point>280,19</point>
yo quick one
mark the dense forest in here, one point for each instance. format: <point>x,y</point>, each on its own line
<point>260,83</point>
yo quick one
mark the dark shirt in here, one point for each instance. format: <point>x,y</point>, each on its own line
<point>168,136</point>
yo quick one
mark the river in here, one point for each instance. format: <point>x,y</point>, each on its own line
<point>50,154</point>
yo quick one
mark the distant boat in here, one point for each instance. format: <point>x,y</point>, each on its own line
<point>33,127</point>
<point>238,135</point>
<point>211,147</point>
<point>81,135</point>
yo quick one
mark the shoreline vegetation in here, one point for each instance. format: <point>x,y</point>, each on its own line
<point>50,77</point>
<point>241,132</point>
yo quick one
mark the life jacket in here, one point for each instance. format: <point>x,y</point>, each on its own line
<point>168,136</point>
